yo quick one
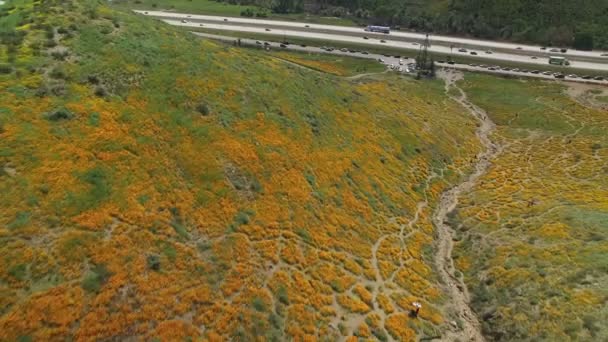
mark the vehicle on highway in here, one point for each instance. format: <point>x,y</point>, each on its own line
<point>365,37</point>
<point>414,43</point>
<point>303,45</point>
<point>441,61</point>
<point>534,57</point>
<point>598,78</point>
<point>555,60</point>
<point>344,49</point>
<point>543,48</point>
<point>401,62</point>
<point>451,62</point>
<point>462,50</point>
<point>604,55</point>
<point>184,21</point>
<point>397,56</point>
<point>473,53</point>
<point>283,45</point>
<point>365,52</point>
<point>586,77</point>
<point>267,30</point>
<point>266,43</point>
<point>559,76</point>
<point>489,52</point>
<point>306,25</point>
<point>554,50</point>
<point>380,60</point>
<point>519,48</point>
<point>572,76</point>
<point>258,42</point>
<point>383,41</point>
<point>525,71</point>
<point>201,25</point>
<point>225,19</point>
<point>506,69</point>
<point>483,66</point>
<point>330,49</point>
<point>515,70</point>
<point>491,68</point>
<point>535,72</point>
<point>563,50</point>
<point>381,29</point>
<point>547,73</point>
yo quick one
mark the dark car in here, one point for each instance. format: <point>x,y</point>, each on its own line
<point>266,43</point>
<point>598,78</point>
<point>365,37</point>
<point>283,45</point>
<point>268,30</point>
<point>397,56</point>
<point>383,41</point>
<point>559,76</point>
<point>258,42</point>
<point>303,45</point>
<point>586,77</point>
<point>535,72</point>
<point>563,50</point>
<point>473,53</point>
<point>451,62</point>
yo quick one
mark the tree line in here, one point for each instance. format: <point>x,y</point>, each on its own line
<point>581,24</point>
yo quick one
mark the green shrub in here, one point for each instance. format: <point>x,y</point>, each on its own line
<point>95,278</point>
<point>258,304</point>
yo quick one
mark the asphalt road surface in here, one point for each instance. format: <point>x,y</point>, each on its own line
<point>395,62</point>
<point>478,46</point>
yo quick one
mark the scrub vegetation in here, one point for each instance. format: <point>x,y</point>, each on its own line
<point>166,187</point>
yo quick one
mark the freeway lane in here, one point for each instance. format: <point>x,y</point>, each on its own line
<point>439,49</point>
<point>410,36</point>
<point>390,60</point>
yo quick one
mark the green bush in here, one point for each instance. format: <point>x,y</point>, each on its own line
<point>95,278</point>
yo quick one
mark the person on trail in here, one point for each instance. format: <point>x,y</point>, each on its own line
<point>417,310</point>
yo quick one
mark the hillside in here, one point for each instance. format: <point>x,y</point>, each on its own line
<point>533,232</point>
<point>156,185</point>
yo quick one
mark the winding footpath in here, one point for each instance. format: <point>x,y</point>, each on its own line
<point>469,328</point>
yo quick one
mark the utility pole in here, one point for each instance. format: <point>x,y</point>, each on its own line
<point>422,60</point>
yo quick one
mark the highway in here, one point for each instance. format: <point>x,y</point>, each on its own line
<point>392,60</point>
<point>480,46</point>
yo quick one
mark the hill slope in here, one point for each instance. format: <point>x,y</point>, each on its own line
<point>157,185</point>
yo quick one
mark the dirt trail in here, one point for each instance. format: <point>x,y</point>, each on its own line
<point>470,328</point>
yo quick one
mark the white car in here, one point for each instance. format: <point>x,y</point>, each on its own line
<point>401,62</point>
